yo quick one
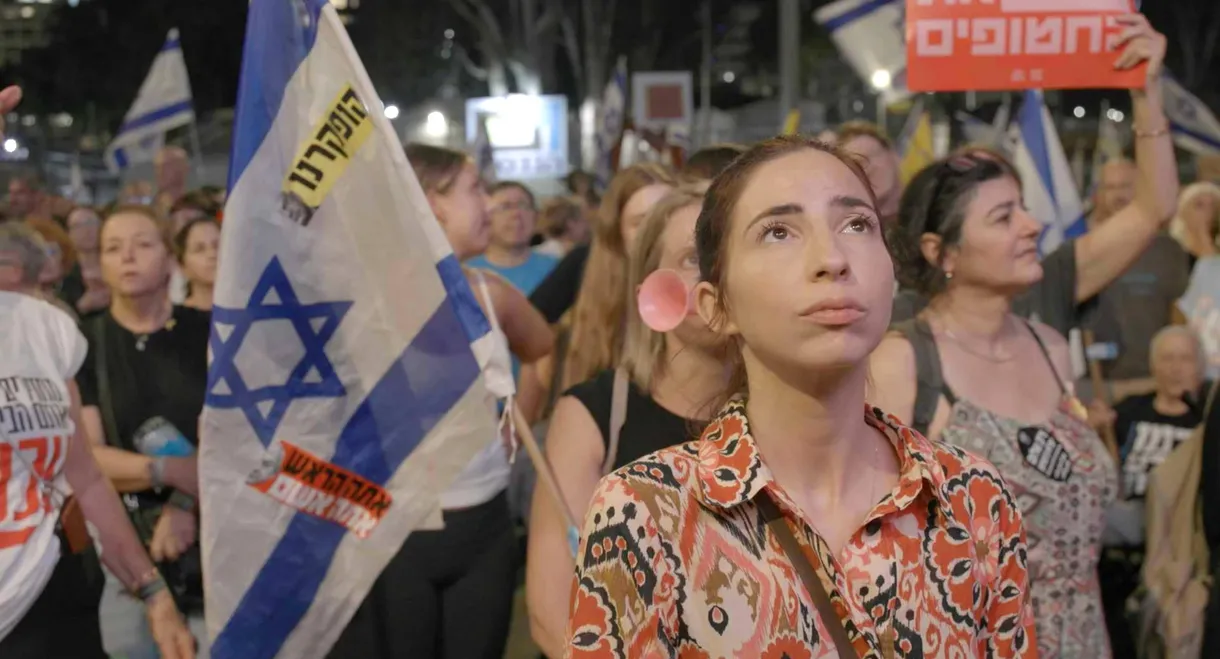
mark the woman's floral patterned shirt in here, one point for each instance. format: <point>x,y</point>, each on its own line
<point>676,560</point>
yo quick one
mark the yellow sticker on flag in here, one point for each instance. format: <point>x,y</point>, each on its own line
<point>323,158</point>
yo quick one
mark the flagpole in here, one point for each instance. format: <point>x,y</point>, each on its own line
<point>545,473</point>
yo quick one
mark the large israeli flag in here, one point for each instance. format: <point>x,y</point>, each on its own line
<point>1192,123</point>
<point>871,35</point>
<point>344,393</point>
<point>1048,186</point>
<point>162,104</point>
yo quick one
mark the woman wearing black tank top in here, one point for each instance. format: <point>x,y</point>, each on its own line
<point>669,381</point>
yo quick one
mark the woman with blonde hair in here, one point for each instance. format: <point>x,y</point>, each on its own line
<point>142,387</point>
<point>663,385</point>
<point>600,309</point>
<point>591,333</point>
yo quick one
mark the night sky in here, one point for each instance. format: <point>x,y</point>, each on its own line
<point>100,50</point>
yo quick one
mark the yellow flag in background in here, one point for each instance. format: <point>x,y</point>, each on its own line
<point>918,150</point>
<point>793,123</point>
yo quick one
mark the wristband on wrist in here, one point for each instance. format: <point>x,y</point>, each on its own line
<point>156,472</point>
<point>148,590</point>
<point>147,582</point>
<point>1144,134</point>
<point>182,500</point>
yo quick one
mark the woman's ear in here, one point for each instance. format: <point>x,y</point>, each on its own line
<point>930,245</point>
<point>707,304</point>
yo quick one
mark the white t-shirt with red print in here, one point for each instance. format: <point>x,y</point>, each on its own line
<point>40,349</point>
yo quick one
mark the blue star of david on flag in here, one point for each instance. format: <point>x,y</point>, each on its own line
<point>273,298</point>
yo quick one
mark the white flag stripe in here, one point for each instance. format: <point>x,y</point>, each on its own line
<point>871,35</point>
<point>381,310</point>
<point>162,104</point>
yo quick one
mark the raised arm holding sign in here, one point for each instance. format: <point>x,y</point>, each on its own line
<point>1111,247</point>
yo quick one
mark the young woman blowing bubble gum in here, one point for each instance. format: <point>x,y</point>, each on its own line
<point>665,381</point>
<point>802,520</point>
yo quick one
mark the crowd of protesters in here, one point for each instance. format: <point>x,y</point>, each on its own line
<point>869,431</point>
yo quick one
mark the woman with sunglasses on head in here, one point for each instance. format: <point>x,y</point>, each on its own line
<point>652,400</point>
<point>803,523</point>
<point>1079,269</point>
<point>970,371</point>
<point>48,601</point>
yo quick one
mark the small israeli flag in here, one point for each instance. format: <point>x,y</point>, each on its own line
<point>1049,188</point>
<point>610,126</point>
<point>162,104</point>
<point>871,34</point>
<point>1192,123</point>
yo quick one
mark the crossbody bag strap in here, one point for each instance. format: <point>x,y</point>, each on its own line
<point>618,417</point>
<point>105,398</point>
<point>804,569</point>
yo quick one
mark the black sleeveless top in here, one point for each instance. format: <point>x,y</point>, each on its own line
<point>647,428</point>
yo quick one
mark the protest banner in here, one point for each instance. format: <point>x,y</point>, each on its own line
<point>963,45</point>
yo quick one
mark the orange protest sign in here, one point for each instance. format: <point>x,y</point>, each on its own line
<point>963,45</point>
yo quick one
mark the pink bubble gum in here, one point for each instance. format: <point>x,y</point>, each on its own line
<point>664,300</point>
